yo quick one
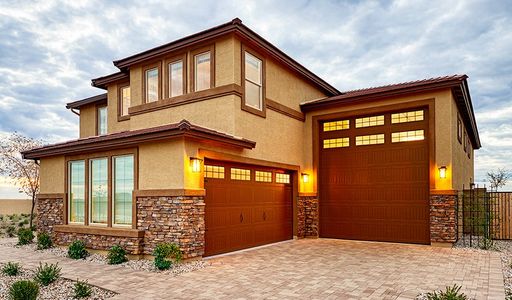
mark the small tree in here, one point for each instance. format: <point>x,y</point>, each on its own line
<point>498,178</point>
<point>23,173</point>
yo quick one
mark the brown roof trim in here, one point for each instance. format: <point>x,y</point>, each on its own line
<point>235,26</point>
<point>131,138</point>
<point>457,83</point>
<point>93,99</point>
<point>102,82</point>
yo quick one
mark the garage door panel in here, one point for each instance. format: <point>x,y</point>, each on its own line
<point>375,192</point>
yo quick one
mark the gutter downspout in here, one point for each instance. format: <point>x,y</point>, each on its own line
<point>76,113</point>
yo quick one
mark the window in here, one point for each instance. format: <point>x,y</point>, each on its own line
<point>465,141</point>
<point>336,143</point>
<point>176,83</point>
<point>202,72</point>
<point>373,139</point>
<point>336,125</point>
<point>213,172</point>
<point>262,176</point>
<point>410,116</point>
<point>459,130</point>
<point>282,178</point>
<point>102,120</point>
<point>369,121</point>
<point>253,81</point>
<point>125,100</point>
<point>407,136</point>
<point>240,174</point>
<point>151,84</point>
<point>76,194</point>
<point>123,184</point>
<point>98,191</point>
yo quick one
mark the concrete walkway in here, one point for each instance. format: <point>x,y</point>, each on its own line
<point>314,269</point>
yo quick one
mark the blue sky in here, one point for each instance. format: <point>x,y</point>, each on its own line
<point>49,51</point>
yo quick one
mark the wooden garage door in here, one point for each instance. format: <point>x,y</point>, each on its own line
<point>374,178</point>
<point>246,206</point>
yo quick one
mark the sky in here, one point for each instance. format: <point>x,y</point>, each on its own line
<point>49,51</point>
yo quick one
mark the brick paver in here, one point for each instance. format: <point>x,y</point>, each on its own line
<point>311,268</point>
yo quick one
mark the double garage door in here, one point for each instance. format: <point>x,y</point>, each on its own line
<point>246,206</point>
<point>374,177</point>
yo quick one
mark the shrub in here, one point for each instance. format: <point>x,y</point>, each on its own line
<point>164,251</point>
<point>47,274</point>
<point>451,293</point>
<point>77,250</point>
<point>25,236</point>
<point>81,290</point>
<point>24,290</point>
<point>486,244</point>
<point>10,231</point>
<point>44,241</point>
<point>116,255</point>
<point>11,269</point>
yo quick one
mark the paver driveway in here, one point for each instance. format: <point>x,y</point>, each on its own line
<point>319,269</point>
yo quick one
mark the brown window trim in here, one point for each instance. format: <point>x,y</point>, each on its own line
<point>263,112</point>
<point>193,53</point>
<point>166,85</point>
<point>109,154</point>
<point>97,108</point>
<point>459,129</point>
<point>465,141</point>
<point>157,65</point>
<point>120,116</point>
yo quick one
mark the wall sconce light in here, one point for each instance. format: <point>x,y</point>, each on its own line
<point>195,164</point>
<point>305,177</point>
<point>442,172</point>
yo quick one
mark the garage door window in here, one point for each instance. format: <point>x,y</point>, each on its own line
<point>282,178</point>
<point>407,136</point>
<point>336,143</point>
<point>373,139</point>
<point>336,125</point>
<point>213,172</point>
<point>410,116</point>
<point>240,174</point>
<point>370,121</point>
<point>263,176</point>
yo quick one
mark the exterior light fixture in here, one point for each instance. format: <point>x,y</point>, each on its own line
<point>442,172</point>
<point>195,164</point>
<point>305,177</point>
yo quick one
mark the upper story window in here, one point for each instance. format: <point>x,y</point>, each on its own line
<point>253,81</point>
<point>102,120</point>
<point>176,82</point>
<point>125,100</point>
<point>151,80</point>
<point>202,72</point>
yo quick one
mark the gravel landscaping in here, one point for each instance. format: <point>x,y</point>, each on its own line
<point>60,289</point>
<point>140,265</point>
<point>9,224</point>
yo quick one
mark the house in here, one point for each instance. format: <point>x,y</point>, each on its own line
<point>219,141</point>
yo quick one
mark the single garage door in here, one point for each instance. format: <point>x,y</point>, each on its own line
<point>246,206</point>
<point>374,178</point>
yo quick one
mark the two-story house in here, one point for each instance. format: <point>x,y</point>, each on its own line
<point>219,141</point>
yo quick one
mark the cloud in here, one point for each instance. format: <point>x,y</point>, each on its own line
<point>49,51</point>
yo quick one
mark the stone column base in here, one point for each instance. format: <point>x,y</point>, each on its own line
<point>307,216</point>
<point>443,217</point>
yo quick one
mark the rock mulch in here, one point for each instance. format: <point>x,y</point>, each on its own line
<point>504,247</point>
<point>139,265</point>
<point>63,288</point>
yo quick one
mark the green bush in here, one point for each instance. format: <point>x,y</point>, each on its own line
<point>10,231</point>
<point>164,251</point>
<point>451,293</point>
<point>25,236</point>
<point>47,274</point>
<point>116,255</point>
<point>44,241</point>
<point>76,250</point>
<point>11,269</point>
<point>81,290</point>
<point>24,290</point>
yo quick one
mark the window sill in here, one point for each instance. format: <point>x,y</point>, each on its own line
<point>123,118</point>
<point>96,230</point>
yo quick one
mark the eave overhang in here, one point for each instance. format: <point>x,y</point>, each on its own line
<point>102,98</point>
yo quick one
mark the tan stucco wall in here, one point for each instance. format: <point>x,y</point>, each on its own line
<point>161,165</point>
<point>87,120</point>
<point>52,175</point>
<point>463,166</point>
